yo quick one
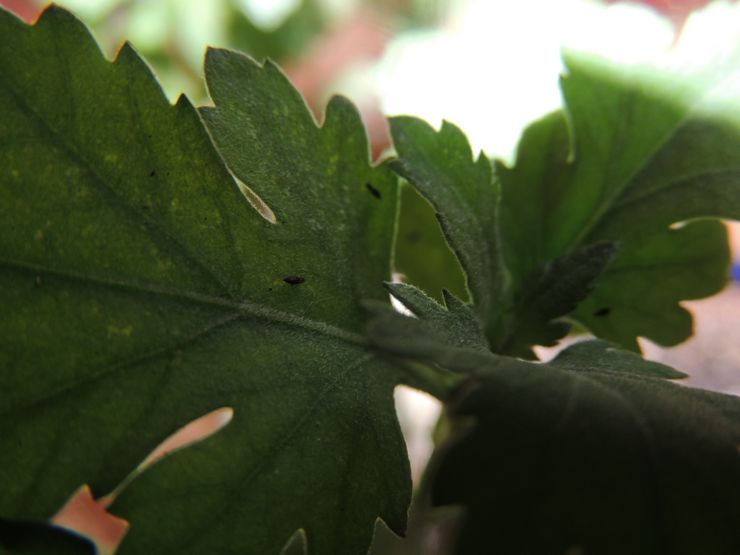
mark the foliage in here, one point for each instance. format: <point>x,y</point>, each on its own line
<point>158,262</point>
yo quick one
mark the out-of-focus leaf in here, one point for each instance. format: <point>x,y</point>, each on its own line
<point>421,254</point>
<point>532,316</point>
<point>630,156</point>
<point>287,40</point>
<point>592,453</point>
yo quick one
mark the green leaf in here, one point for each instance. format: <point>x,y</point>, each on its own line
<point>462,191</point>
<point>592,453</point>
<point>421,254</point>
<point>140,290</point>
<point>452,324</point>
<point>466,196</point>
<point>38,538</point>
<point>631,155</point>
<point>548,295</point>
<point>438,334</point>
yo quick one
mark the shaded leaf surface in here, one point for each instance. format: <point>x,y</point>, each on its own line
<point>141,290</point>
<point>421,254</point>
<point>436,333</point>
<point>532,317</point>
<point>34,538</point>
<point>594,452</point>
<point>596,457</point>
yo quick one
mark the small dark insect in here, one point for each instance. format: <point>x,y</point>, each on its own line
<point>373,190</point>
<point>294,280</point>
<point>152,173</point>
<point>603,311</point>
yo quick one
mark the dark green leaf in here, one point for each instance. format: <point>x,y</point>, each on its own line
<point>549,294</point>
<point>592,453</point>
<point>140,290</point>
<point>438,334</point>
<point>463,192</point>
<point>461,189</point>
<point>38,538</point>
<point>421,254</point>
<point>640,154</point>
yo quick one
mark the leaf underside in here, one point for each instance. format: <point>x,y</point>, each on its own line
<point>34,538</point>
<point>594,452</point>
<point>592,458</point>
<point>141,290</point>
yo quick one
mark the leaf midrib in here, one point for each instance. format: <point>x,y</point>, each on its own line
<point>119,366</point>
<point>239,310</point>
<point>612,200</point>
<point>678,181</point>
<point>244,308</point>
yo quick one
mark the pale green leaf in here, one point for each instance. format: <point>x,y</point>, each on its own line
<point>631,155</point>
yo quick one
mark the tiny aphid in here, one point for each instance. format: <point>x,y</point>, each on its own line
<point>373,190</point>
<point>294,280</point>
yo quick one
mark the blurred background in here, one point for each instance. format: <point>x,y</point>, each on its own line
<point>490,66</point>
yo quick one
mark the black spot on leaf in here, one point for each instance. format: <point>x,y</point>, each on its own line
<point>294,280</point>
<point>152,173</point>
<point>603,311</point>
<point>373,190</point>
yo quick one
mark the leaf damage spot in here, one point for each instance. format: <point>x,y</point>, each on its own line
<point>88,517</point>
<point>193,432</point>
<point>603,311</point>
<point>373,190</point>
<point>257,203</point>
<point>294,280</point>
